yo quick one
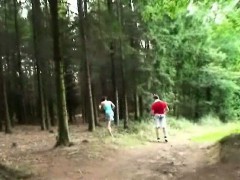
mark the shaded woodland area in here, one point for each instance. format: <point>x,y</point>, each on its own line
<point>57,63</point>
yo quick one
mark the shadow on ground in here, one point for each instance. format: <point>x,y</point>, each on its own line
<point>223,161</point>
<point>7,173</point>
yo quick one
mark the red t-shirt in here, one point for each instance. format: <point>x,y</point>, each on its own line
<point>158,107</point>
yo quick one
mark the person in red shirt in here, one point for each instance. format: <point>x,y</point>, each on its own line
<point>159,109</point>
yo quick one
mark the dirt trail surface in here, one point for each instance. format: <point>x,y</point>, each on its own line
<point>30,150</point>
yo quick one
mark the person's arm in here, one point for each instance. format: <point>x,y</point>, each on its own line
<point>113,106</point>
<point>166,109</point>
<point>100,106</point>
<point>152,110</point>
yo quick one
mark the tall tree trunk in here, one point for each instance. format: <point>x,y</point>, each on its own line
<point>140,106</point>
<point>115,89</point>
<point>51,98</point>
<point>48,118</point>
<point>82,11</point>
<point>1,103</point>
<point>125,105</point>
<point>1,121</point>
<point>8,83</point>
<point>137,109</point>
<point>63,131</point>
<point>124,93</point>
<point>197,110</point>
<point>5,100</point>
<point>22,110</point>
<point>85,117</point>
<point>84,106</point>
<point>112,57</point>
<point>37,19</point>
<point>95,112</point>
<point>95,106</point>
<point>48,79</point>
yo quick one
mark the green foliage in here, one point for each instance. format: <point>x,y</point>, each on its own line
<point>210,120</point>
<point>195,55</point>
<point>179,124</point>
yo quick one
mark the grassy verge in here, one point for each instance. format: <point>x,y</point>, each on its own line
<point>213,130</point>
<point>140,133</point>
<point>215,134</point>
<point>208,129</point>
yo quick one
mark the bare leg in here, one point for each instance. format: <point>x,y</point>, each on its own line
<point>157,133</point>
<point>165,134</point>
<point>109,128</point>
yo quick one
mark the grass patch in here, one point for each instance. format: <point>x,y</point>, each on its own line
<point>179,124</point>
<point>214,134</point>
<point>208,129</point>
<point>138,133</point>
<point>210,120</point>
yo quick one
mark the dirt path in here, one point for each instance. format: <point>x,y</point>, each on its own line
<point>154,161</point>
<point>178,159</point>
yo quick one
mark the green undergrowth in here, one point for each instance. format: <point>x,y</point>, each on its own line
<point>207,129</point>
<point>138,133</point>
<point>211,129</point>
<point>215,134</point>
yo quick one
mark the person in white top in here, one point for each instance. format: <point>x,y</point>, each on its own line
<point>108,107</point>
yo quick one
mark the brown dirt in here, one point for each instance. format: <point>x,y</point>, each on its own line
<point>31,150</point>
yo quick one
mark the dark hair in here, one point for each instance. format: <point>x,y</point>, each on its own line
<point>104,98</point>
<point>155,96</point>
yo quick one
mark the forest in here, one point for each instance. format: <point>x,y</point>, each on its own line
<point>59,57</point>
<point>56,63</point>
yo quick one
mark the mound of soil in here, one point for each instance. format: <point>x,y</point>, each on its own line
<point>7,173</point>
<point>230,149</point>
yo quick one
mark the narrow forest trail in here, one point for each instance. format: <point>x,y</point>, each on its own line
<point>156,161</point>
<point>178,159</point>
<point>153,161</point>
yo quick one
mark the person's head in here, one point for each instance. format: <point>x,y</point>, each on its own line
<point>104,98</point>
<point>155,96</point>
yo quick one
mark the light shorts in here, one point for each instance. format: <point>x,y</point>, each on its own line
<point>160,120</point>
<point>109,115</point>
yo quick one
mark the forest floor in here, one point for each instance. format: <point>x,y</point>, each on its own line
<point>29,154</point>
